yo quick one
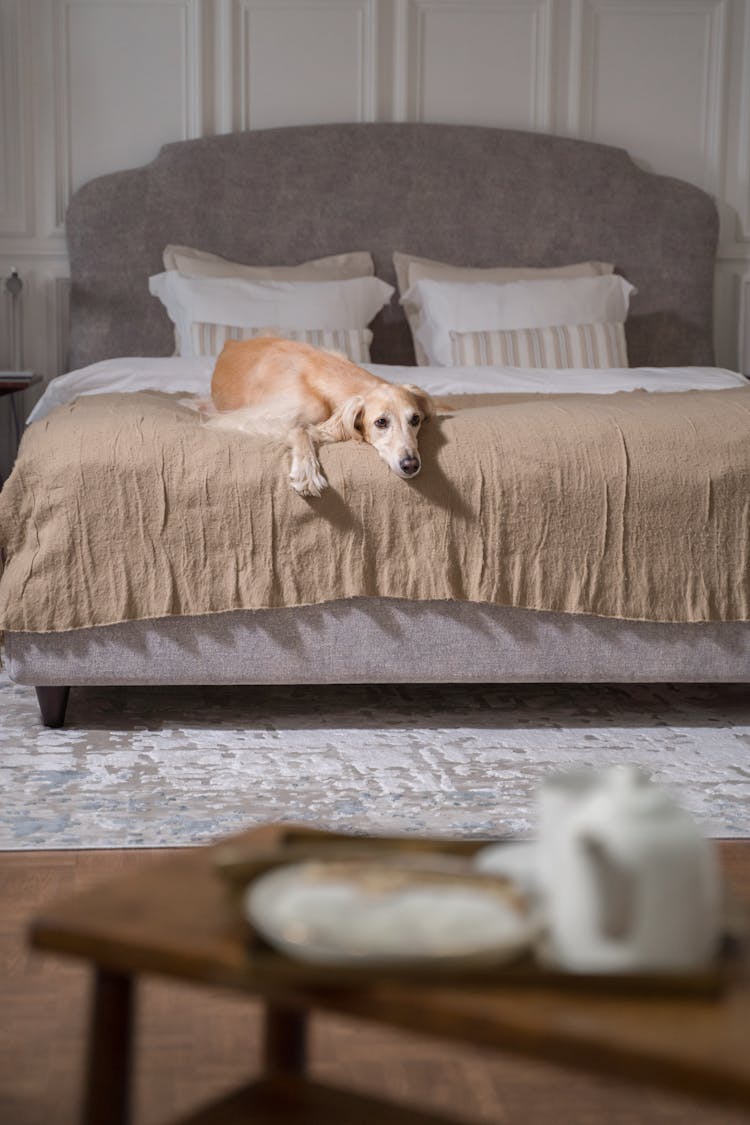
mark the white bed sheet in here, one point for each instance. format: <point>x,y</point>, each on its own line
<point>193,376</point>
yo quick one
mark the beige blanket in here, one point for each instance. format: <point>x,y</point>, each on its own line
<point>631,505</point>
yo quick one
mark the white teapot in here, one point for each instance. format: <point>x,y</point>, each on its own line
<point>629,881</point>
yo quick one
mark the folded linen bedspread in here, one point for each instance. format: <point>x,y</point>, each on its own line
<point>632,505</point>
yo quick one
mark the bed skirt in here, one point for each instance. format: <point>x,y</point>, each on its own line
<point>383,640</point>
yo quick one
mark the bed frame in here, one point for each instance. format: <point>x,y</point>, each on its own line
<point>461,194</point>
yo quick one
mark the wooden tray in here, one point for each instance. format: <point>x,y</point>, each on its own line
<point>238,867</point>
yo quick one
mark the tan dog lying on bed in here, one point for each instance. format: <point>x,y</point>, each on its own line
<point>280,387</point>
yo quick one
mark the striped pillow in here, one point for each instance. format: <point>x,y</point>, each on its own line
<point>354,343</point>
<point>566,345</point>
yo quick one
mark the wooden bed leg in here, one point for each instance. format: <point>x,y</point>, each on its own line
<point>52,703</point>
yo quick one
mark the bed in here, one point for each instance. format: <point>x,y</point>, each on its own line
<point>463,195</point>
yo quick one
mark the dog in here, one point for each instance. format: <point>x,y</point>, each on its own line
<point>308,396</point>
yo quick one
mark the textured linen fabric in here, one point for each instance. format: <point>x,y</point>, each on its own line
<point>635,506</point>
<point>410,269</point>
<point>565,346</point>
<point>354,343</point>
<point>383,640</point>
<point>276,196</point>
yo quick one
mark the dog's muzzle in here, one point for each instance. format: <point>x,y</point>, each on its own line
<point>409,466</point>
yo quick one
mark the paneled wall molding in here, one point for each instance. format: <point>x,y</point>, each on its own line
<point>35,247</point>
<point>743,324</point>
<point>223,67</point>
<point>90,86</point>
<point>75,26</point>
<point>44,312</point>
<point>735,250</point>
<point>317,58</point>
<point>589,100</point>
<point>16,165</point>
<point>46,285</point>
<point>435,36</point>
<point>737,181</point>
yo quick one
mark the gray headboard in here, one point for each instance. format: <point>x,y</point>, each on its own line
<point>462,194</point>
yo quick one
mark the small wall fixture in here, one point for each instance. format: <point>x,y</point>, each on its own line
<point>14,285</point>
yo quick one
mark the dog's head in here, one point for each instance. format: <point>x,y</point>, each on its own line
<point>389,418</point>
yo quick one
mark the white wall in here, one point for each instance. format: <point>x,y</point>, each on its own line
<point>90,86</point>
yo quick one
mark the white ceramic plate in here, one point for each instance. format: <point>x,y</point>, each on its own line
<point>359,913</point>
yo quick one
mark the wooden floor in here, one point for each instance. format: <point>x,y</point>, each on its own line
<point>195,1044</point>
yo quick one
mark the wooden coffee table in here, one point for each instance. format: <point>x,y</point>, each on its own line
<point>176,919</point>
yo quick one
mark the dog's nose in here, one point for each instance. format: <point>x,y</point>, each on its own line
<point>409,466</point>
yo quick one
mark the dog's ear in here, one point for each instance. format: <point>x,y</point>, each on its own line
<point>345,424</point>
<point>424,401</point>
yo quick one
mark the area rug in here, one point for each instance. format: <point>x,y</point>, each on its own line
<point>149,767</point>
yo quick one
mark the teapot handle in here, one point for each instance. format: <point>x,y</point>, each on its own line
<point>613,888</point>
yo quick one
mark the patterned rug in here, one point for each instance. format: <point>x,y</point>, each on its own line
<point>146,767</point>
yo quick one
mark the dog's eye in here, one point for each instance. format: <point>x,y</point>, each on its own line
<point>381,423</point>
<point>414,420</point>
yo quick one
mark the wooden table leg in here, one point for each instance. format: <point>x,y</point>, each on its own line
<point>285,1040</point>
<point>107,1095</point>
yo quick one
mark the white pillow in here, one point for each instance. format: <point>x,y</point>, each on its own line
<point>410,270</point>
<point>256,304</point>
<point>445,307</point>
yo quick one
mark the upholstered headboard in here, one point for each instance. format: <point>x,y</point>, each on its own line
<point>462,194</point>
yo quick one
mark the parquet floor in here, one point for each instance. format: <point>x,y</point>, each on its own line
<point>195,1044</point>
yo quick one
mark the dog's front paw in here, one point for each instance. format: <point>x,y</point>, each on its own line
<point>307,480</point>
<point>309,487</point>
